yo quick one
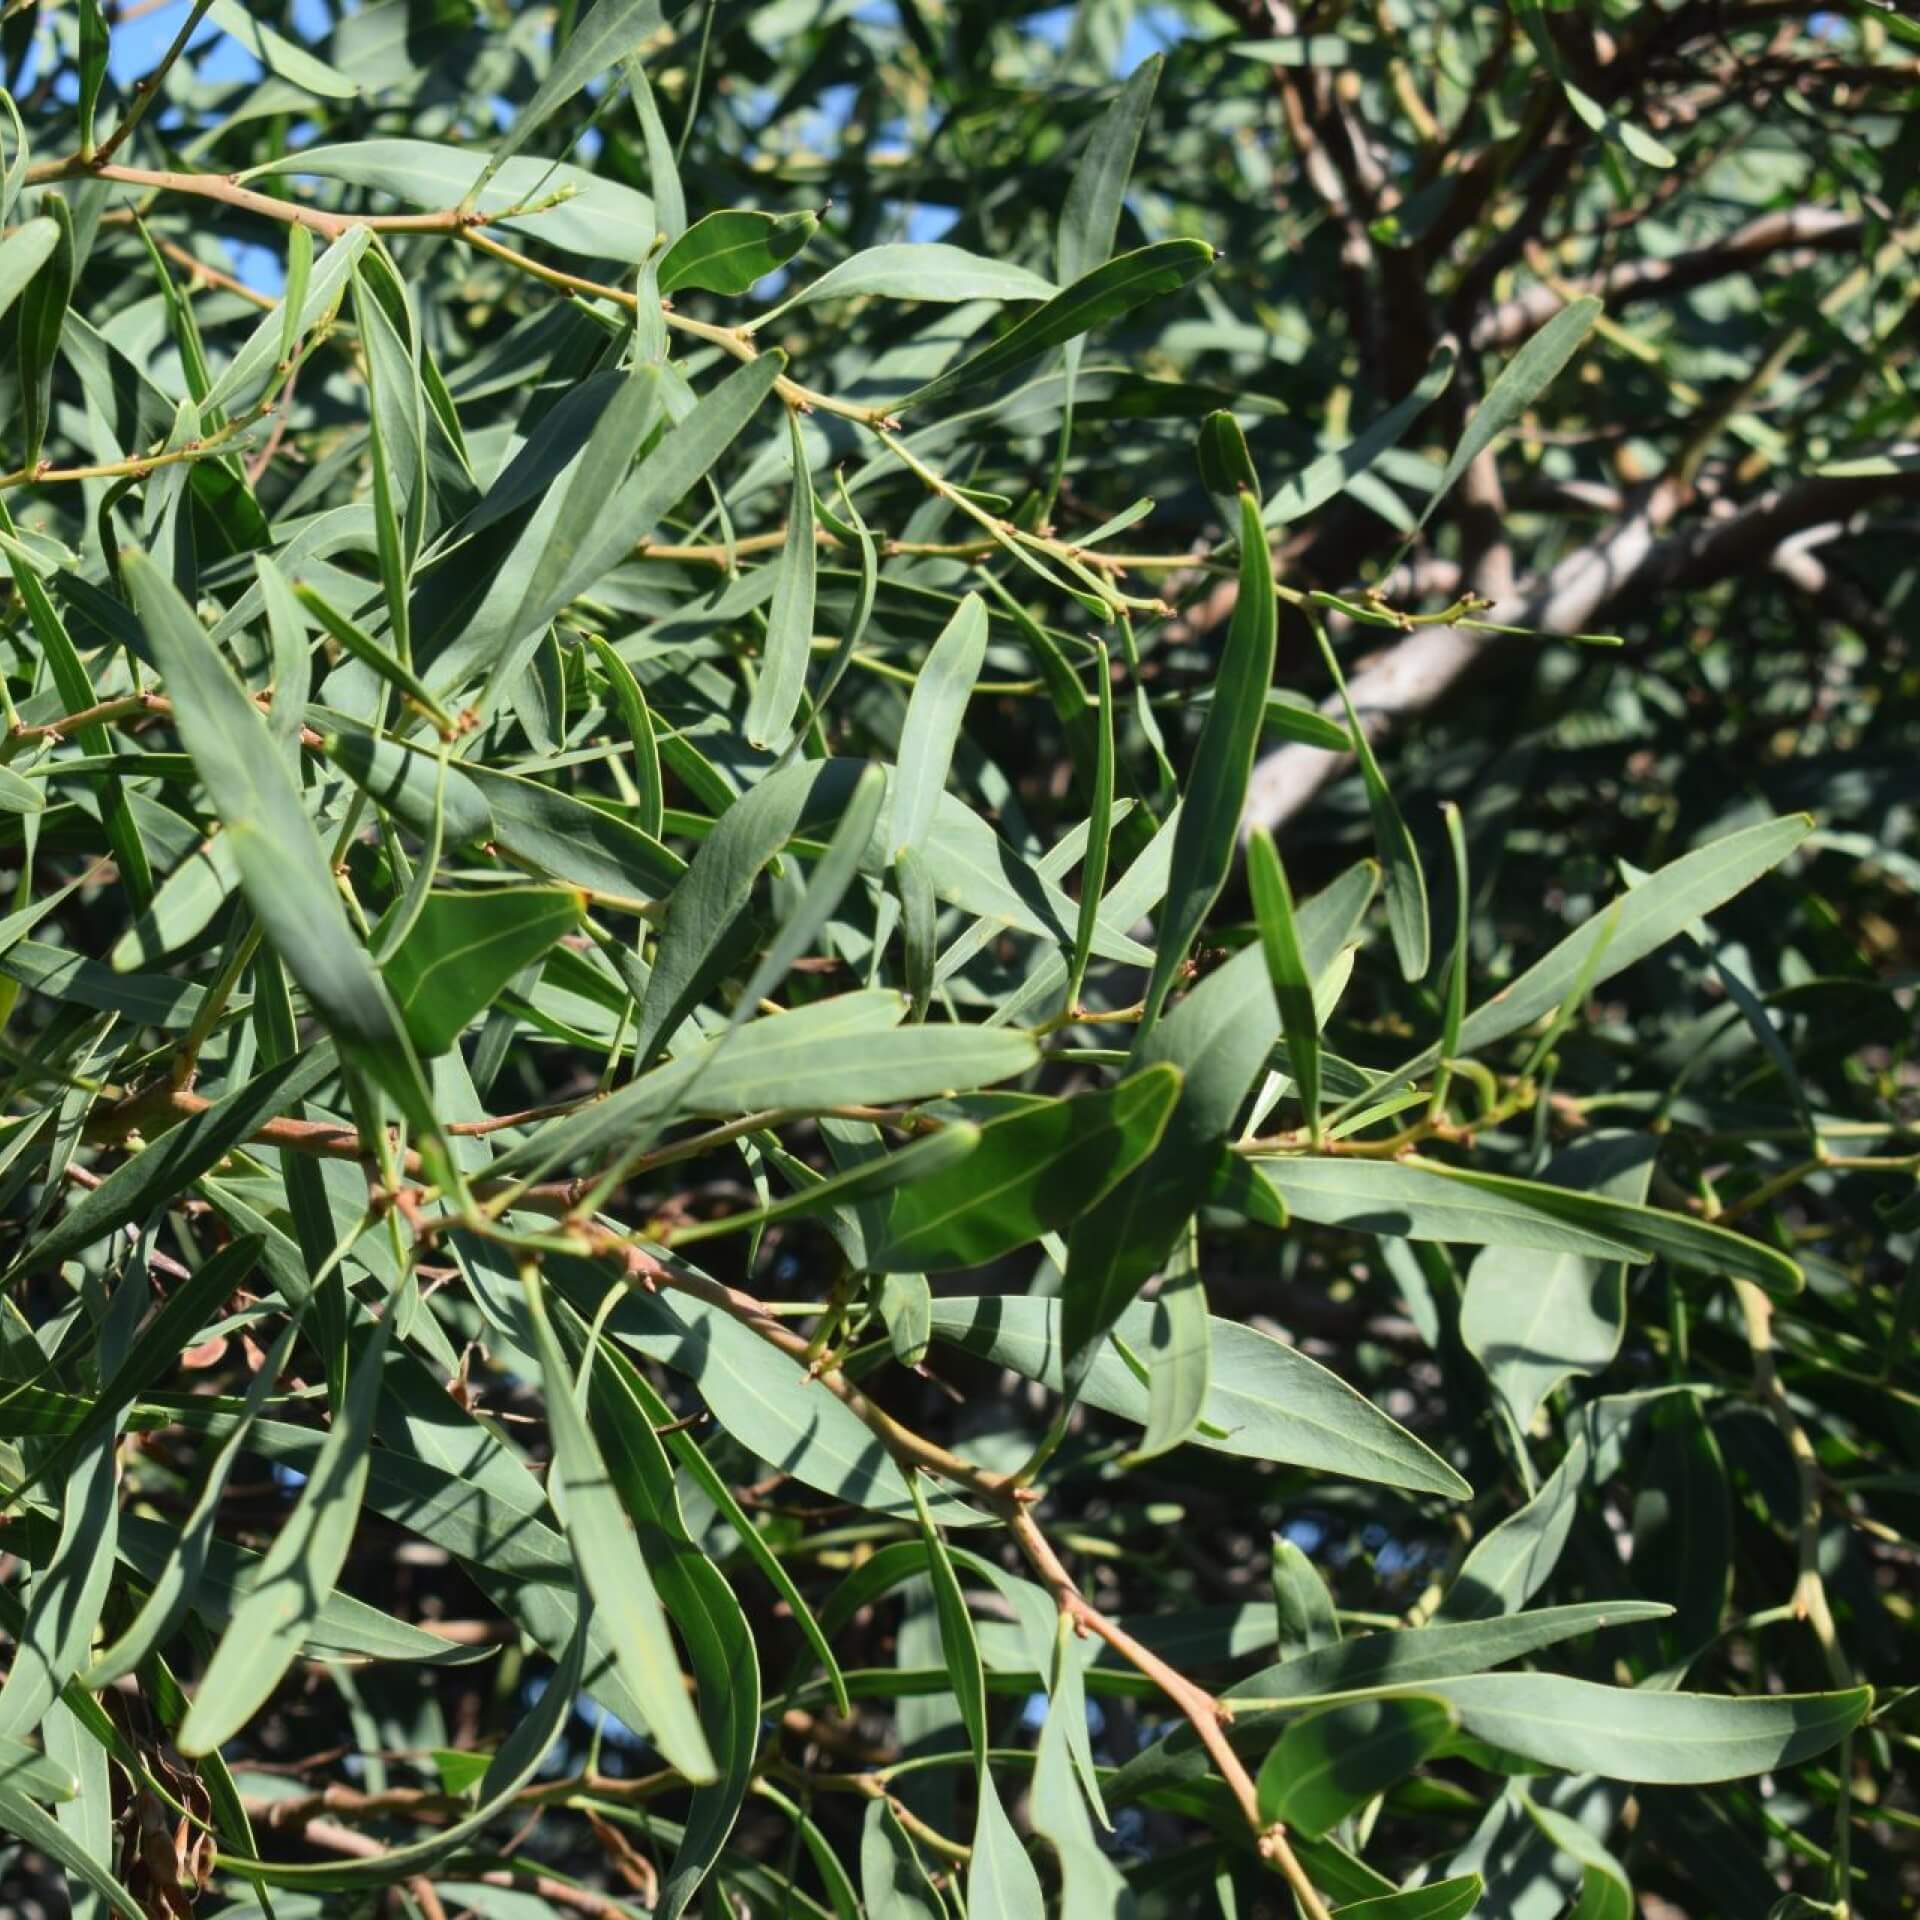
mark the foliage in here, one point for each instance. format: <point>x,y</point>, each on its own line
<point>683,1235</point>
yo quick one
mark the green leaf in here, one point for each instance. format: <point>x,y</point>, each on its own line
<point>1104,293</point>
<point>23,252</point>
<point>571,841</point>
<point>766,1399</point>
<point>1321,479</point>
<point>835,872</point>
<point>1209,821</point>
<point>586,213</point>
<point>728,251</point>
<point>464,948</point>
<point>1303,1609</point>
<point>1647,1232</point>
<point>935,715</point>
<point>26,1770</point>
<point>1533,1322</point>
<point>632,706</point>
<point>1032,1173</point>
<point>1093,868</point>
<point>708,908</point>
<point>916,1165</point>
<point>284,871</point>
<point>837,1052</point>
<point>278,1606</point>
<point>929,271</point>
<point>515,1762</point>
<point>356,641</point>
<point>1647,1736</point>
<point>611,1563</point>
<point>40,1831</point>
<point>609,31</point>
<point>663,170</point>
<point>1451,1899</point>
<point>1265,1400</point>
<point>1092,1887</point>
<point>1327,1765</point>
<point>1522,381</point>
<point>1293,717</point>
<point>173,1590</point>
<point>282,58</point>
<point>1090,217</point>
<point>1178,1356</point>
<point>1640,922</point>
<point>1607,1893</point>
<point>1226,467</point>
<point>906,1308</point>
<point>1292,984</point>
<point>893,1883</point>
<point>789,642</point>
<point>409,785</point>
<point>18,795</point>
<point>1407,910</point>
<point>43,316</point>
<point>1414,1659</point>
<point>1424,1201</point>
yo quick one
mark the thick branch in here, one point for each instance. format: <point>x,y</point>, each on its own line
<point>1807,229</point>
<point>1630,561</point>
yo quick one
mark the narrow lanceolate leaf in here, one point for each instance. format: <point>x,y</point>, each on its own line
<point>922,1162</point>
<point>701,1602</point>
<point>631,704</point>
<point>1639,923</point>
<point>1647,1232</point>
<point>1451,1899</point>
<point>1091,1885</point>
<point>1292,985</point>
<point>1304,1619</point>
<point>789,642</point>
<point>1033,1172</point>
<point>930,271</point>
<point>1316,483</point>
<point>45,1835</point>
<point>611,1561</point>
<point>1533,1321</point>
<point>1093,868</point>
<point>284,871</point>
<point>22,254</point>
<point>663,170</point>
<point>1103,294</point>
<point>1209,822</point>
<point>894,1884</point>
<point>597,41</point>
<point>728,251</point>
<point>1406,882</point>
<point>1522,381</point>
<point>1328,1764</point>
<point>1178,1357</point>
<point>935,715</point>
<point>1265,1400</point>
<point>1648,1736</point>
<point>271,1620</point>
<point>70,1589</point>
<point>1426,1202</point>
<point>1090,219</point>
<point>172,1591</point>
<point>515,1762</point>
<point>464,948</point>
<point>43,315</point>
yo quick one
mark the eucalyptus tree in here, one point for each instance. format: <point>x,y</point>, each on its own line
<point>957,960</point>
